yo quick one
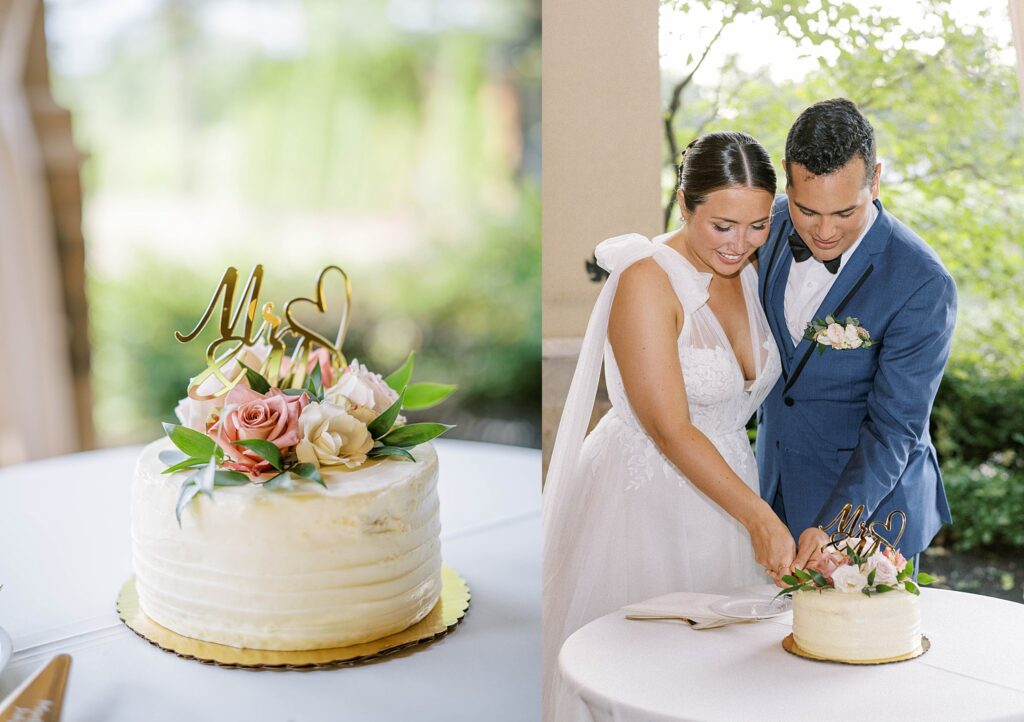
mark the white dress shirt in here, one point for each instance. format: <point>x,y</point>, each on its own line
<point>809,282</point>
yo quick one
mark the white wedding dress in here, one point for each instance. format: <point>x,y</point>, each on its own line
<point>621,524</point>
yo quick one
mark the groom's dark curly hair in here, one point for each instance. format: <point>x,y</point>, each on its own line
<point>827,135</point>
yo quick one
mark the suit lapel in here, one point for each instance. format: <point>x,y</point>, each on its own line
<point>774,298</point>
<point>843,292</point>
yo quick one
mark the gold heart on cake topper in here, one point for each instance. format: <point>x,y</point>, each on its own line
<point>308,336</point>
<point>887,525</point>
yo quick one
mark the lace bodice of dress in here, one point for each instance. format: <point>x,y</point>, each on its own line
<point>719,399</point>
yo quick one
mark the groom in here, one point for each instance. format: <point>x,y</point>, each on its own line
<point>850,424</point>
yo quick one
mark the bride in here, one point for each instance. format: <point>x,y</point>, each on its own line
<point>662,496</point>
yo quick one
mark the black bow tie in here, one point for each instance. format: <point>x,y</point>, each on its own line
<point>801,253</point>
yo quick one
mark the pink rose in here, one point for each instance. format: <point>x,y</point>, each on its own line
<point>272,417</point>
<point>321,355</point>
<point>896,558</point>
<point>836,335</point>
<point>828,563</point>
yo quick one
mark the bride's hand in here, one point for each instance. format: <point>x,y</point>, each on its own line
<point>774,548</point>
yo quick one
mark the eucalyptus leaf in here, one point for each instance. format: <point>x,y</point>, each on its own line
<point>281,481</point>
<point>171,456</point>
<point>398,451</point>
<point>256,380</point>
<point>399,378</point>
<point>192,443</point>
<point>413,434</point>
<point>426,394</point>
<point>293,392</point>
<point>186,464</point>
<point>264,449</point>
<point>188,490</point>
<point>223,477</point>
<point>383,423</point>
<point>308,471</point>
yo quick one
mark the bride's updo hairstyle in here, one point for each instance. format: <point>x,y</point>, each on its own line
<point>721,160</point>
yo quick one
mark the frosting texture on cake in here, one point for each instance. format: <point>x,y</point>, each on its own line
<point>306,568</point>
<point>855,627</point>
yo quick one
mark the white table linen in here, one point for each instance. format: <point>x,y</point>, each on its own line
<point>65,551</point>
<point>659,671</point>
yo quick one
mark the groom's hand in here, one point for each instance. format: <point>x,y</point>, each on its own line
<point>809,546</point>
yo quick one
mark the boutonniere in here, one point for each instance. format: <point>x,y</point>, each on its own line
<point>830,333</point>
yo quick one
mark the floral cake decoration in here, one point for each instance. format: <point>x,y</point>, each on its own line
<point>263,414</point>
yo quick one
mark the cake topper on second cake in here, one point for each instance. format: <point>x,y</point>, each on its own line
<point>263,415</point>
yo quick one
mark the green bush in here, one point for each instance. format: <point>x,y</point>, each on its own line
<point>977,414</point>
<point>987,500</point>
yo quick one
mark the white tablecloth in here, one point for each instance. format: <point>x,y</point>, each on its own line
<point>663,670</point>
<point>65,552</point>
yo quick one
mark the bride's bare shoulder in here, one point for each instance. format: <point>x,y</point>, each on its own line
<point>645,287</point>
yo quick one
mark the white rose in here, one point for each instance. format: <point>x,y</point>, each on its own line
<point>331,437</point>
<point>849,579</point>
<point>851,337</point>
<point>885,570</point>
<point>363,393</point>
<point>837,335</point>
<point>195,413</point>
<point>823,338</point>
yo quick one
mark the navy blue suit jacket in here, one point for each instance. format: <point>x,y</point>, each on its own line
<point>852,425</point>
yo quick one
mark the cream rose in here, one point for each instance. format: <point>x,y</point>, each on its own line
<point>849,579</point>
<point>195,413</point>
<point>885,570</point>
<point>852,338</point>
<point>836,335</point>
<point>330,436</point>
<point>363,393</point>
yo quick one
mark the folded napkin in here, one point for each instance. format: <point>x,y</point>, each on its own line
<point>694,606</point>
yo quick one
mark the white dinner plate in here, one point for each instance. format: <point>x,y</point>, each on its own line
<point>755,607</point>
<point>6,648</point>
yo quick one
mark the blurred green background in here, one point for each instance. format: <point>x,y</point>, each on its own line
<point>937,81</point>
<point>398,139</point>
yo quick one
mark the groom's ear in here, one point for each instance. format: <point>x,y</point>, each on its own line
<point>875,180</point>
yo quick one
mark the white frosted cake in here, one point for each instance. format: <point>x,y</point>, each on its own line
<point>855,627</point>
<point>290,569</point>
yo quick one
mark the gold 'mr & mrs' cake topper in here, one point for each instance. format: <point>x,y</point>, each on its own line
<point>272,328</point>
<point>848,524</point>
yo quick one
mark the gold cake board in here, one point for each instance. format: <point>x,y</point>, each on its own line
<point>446,614</point>
<point>790,645</point>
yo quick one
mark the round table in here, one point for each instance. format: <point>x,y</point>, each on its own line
<point>643,671</point>
<point>65,551</point>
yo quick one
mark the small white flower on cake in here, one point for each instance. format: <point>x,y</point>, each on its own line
<point>849,579</point>
<point>332,437</point>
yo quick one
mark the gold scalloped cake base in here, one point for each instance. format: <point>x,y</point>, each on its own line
<point>446,614</point>
<point>790,645</point>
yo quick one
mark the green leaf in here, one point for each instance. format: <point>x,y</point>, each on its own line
<point>293,392</point>
<point>263,449</point>
<point>171,456</point>
<point>383,423</point>
<point>882,588</point>
<point>256,380</point>
<point>189,489</point>
<point>186,464</point>
<point>413,434</point>
<point>281,481</point>
<point>424,395</point>
<point>791,589</point>
<point>399,378</point>
<point>192,443</point>
<point>381,451</point>
<point>817,577</point>
<point>802,575</point>
<point>871,577</point>
<point>308,471</point>
<point>925,579</point>
<point>909,569</point>
<point>911,587</point>
<point>866,591</point>
<point>223,477</point>
<point>790,580</point>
